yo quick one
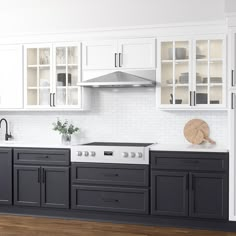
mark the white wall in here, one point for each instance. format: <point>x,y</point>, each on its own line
<point>71,15</point>
<point>125,115</point>
<point>230,6</point>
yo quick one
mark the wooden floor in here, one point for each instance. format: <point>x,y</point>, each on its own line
<point>39,226</point>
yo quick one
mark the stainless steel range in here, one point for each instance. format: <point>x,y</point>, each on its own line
<point>103,152</point>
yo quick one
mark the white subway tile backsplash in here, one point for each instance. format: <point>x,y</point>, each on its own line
<point>128,114</point>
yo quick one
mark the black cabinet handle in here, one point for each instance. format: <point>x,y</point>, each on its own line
<point>45,156</point>
<point>110,200</point>
<point>190,95</point>
<point>115,59</point>
<point>111,175</point>
<point>50,102</point>
<point>43,175</point>
<point>232,101</point>
<point>191,161</point>
<point>120,62</point>
<point>187,182</point>
<point>39,175</point>
<point>232,78</point>
<point>40,157</point>
<point>192,182</point>
<point>53,100</point>
<point>194,98</point>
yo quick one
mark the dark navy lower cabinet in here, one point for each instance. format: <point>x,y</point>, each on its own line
<point>55,187</point>
<point>27,185</point>
<point>186,189</point>
<point>110,187</point>
<point>169,193</point>
<point>114,199</point>
<point>197,188</point>
<point>42,185</point>
<point>208,195</point>
<point>6,176</point>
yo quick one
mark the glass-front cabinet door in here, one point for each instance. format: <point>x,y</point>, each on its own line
<point>67,75</point>
<point>52,73</point>
<point>192,73</point>
<point>210,84</point>
<point>38,76</point>
<point>175,73</point>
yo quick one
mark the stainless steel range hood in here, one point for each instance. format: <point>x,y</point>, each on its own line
<point>122,79</point>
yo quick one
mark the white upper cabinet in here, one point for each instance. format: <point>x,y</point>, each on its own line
<point>118,54</point>
<point>192,73</point>
<point>52,72</point>
<point>99,54</point>
<point>136,53</point>
<point>11,65</point>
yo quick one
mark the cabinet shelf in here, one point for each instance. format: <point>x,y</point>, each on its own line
<point>32,87</point>
<point>40,87</point>
<point>211,84</point>
<point>40,66</point>
<point>176,85</point>
<point>202,84</point>
<point>176,61</point>
<point>68,87</point>
<point>32,66</point>
<point>216,84</point>
<point>214,60</point>
<point>69,65</point>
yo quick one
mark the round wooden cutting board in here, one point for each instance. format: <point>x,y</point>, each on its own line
<point>197,131</point>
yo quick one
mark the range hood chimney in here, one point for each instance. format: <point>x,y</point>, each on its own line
<point>120,79</point>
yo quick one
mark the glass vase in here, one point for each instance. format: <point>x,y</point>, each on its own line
<point>66,139</point>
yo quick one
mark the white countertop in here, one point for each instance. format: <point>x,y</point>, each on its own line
<point>155,147</point>
<point>33,144</point>
<point>189,148</point>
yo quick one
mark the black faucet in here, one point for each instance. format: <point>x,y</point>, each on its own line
<point>7,136</point>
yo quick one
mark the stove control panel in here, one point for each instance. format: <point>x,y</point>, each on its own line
<point>107,154</point>
<point>132,154</point>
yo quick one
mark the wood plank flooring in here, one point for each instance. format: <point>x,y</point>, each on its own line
<point>40,226</point>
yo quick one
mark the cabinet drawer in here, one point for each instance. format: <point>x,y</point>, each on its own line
<point>110,199</point>
<point>189,161</point>
<point>113,174</point>
<point>41,156</point>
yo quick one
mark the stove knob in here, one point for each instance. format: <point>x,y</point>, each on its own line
<point>85,153</point>
<point>125,154</point>
<point>139,154</point>
<point>92,154</point>
<point>79,153</point>
<point>132,154</point>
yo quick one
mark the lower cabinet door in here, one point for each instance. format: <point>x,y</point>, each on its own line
<point>209,195</point>
<point>113,199</point>
<point>27,185</point>
<point>6,176</point>
<point>169,193</point>
<point>55,187</point>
